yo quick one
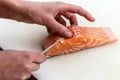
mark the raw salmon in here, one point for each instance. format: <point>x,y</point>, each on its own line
<point>83,37</point>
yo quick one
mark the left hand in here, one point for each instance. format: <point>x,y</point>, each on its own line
<point>50,14</point>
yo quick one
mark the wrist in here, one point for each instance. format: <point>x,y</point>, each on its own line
<point>14,4</point>
<point>15,10</point>
<point>21,6</point>
<point>18,5</point>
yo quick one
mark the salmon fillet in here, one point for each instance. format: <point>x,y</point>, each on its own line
<point>83,37</point>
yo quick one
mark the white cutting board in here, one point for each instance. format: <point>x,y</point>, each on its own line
<point>100,63</point>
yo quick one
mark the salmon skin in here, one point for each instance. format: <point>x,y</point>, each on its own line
<point>82,38</point>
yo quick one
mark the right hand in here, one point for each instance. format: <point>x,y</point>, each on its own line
<point>18,65</point>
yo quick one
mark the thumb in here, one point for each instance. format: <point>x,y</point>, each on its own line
<point>59,28</point>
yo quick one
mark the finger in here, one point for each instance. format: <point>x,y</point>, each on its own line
<point>61,20</point>
<point>77,9</point>
<point>72,18</point>
<point>38,58</point>
<point>35,66</point>
<point>59,28</point>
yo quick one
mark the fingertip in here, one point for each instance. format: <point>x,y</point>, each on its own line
<point>60,29</point>
<point>43,57</point>
<point>40,57</point>
<point>89,17</point>
<point>92,19</point>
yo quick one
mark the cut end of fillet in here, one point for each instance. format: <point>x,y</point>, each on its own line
<point>83,37</point>
<point>111,36</point>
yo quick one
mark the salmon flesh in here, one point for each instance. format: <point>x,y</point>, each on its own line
<point>82,38</point>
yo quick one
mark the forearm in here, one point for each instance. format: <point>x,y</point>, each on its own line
<point>13,9</point>
<point>7,7</point>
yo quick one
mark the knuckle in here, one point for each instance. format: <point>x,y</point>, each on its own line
<point>81,11</point>
<point>72,16</point>
<point>49,22</point>
<point>61,30</point>
<point>26,68</point>
<point>27,55</point>
<point>79,8</point>
<point>60,5</point>
<point>86,14</point>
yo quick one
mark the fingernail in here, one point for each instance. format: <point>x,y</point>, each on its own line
<point>68,34</point>
<point>92,19</point>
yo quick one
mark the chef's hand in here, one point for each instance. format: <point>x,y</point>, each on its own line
<point>48,14</point>
<point>18,65</point>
